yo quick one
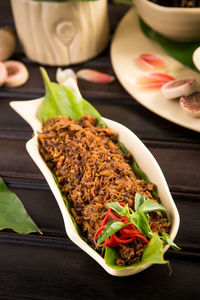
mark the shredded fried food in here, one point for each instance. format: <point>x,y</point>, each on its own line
<point>92,171</point>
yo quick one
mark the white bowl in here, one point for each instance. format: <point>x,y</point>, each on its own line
<point>28,110</point>
<point>176,23</point>
<point>196,58</point>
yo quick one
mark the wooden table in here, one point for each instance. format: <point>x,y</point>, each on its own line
<point>51,266</point>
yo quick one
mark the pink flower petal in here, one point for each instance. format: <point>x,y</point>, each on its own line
<point>151,62</point>
<point>154,80</point>
<point>95,76</point>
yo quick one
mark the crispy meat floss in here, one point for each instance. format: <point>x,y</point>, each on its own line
<point>92,171</point>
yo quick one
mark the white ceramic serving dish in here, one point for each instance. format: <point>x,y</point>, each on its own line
<point>177,23</point>
<point>196,58</point>
<point>29,111</point>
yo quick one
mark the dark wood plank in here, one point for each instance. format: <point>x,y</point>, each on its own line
<point>128,112</point>
<point>42,207</point>
<point>35,85</point>
<point>180,163</point>
<point>6,17</point>
<point>55,273</point>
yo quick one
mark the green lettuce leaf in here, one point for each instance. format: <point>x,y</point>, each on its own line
<point>61,101</point>
<point>152,254</point>
<point>13,214</point>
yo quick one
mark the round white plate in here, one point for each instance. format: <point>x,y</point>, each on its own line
<point>128,43</point>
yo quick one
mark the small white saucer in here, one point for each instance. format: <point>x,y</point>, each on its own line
<point>128,43</point>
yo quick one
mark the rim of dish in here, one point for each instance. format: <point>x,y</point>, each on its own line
<point>195,10</point>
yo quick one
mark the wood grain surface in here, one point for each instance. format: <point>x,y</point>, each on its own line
<point>51,266</point>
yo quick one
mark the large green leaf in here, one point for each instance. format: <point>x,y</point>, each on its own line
<point>61,101</point>
<point>152,254</point>
<point>181,51</point>
<point>13,214</point>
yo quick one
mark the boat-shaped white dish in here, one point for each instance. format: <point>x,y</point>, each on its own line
<point>29,111</point>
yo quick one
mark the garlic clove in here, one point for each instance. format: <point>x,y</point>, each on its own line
<point>179,87</point>
<point>7,42</point>
<point>191,104</point>
<point>63,75</point>
<point>95,76</point>
<point>150,62</point>
<point>17,73</point>
<point>3,73</point>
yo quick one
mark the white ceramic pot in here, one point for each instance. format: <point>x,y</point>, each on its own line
<point>61,33</point>
<point>177,23</point>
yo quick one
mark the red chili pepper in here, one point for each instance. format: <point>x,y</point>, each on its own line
<point>142,237</point>
<point>113,216</point>
<point>123,241</point>
<point>97,233</point>
<point>111,242</point>
<point>127,233</point>
<point>105,220</point>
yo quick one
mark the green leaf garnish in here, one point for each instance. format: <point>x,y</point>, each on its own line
<point>139,217</point>
<point>13,214</point>
<point>109,230</point>
<point>151,206</point>
<point>122,211</point>
<point>139,200</point>
<point>152,254</point>
<point>139,220</point>
<point>61,101</point>
<point>146,206</point>
<point>166,239</point>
